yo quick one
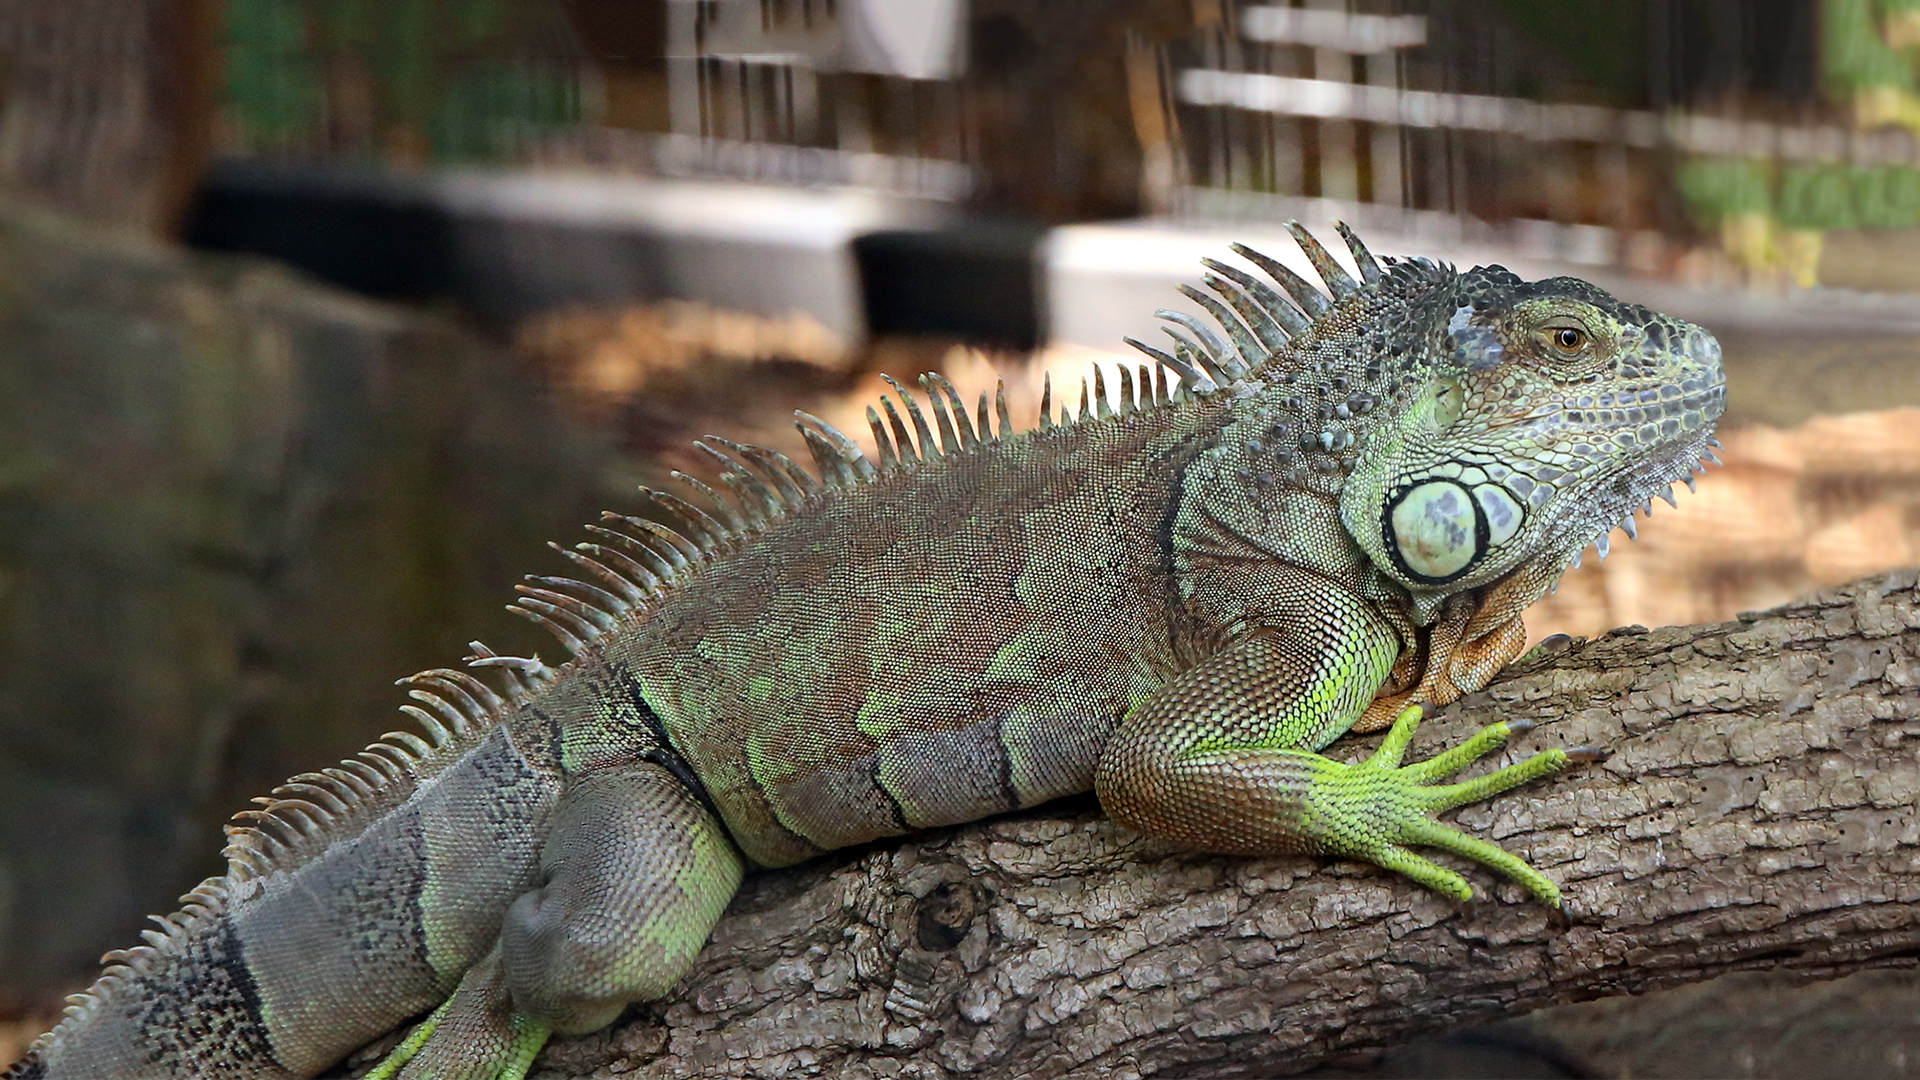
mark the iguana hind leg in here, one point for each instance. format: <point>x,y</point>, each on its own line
<point>635,872</point>
<point>1223,758</point>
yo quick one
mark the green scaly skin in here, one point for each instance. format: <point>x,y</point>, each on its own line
<point>1333,513</point>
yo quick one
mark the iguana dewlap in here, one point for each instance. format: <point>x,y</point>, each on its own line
<point>1285,528</point>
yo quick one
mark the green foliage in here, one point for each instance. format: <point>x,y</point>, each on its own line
<point>1854,55</point>
<point>1799,195</point>
<point>273,85</point>
<point>454,77</point>
<point>1887,198</point>
<point>1817,197</point>
<point>1718,188</point>
<point>483,109</point>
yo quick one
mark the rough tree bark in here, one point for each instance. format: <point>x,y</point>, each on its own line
<point>1757,813</point>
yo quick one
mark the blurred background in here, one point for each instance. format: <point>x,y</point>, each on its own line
<point>317,317</point>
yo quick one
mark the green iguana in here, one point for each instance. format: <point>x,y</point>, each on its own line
<point>1310,525</point>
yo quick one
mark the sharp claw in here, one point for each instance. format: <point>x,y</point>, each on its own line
<point>1587,755</point>
<point>1518,727</point>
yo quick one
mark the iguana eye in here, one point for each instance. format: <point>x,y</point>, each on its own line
<point>1568,341</point>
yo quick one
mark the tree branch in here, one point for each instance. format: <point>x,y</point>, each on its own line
<point>1758,812</point>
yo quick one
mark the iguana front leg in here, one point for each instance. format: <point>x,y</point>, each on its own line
<point>635,872</point>
<point>1223,757</point>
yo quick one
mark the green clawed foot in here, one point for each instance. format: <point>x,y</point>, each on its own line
<point>1377,809</point>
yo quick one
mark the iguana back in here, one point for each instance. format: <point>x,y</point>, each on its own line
<point>933,646</point>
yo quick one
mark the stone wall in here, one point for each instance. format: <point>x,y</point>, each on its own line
<point>234,505</point>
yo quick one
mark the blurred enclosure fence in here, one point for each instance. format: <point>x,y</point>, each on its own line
<point>864,93</point>
<point>1718,142</point>
<point>1596,133</point>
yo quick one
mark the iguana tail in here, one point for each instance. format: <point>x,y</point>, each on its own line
<point>355,899</point>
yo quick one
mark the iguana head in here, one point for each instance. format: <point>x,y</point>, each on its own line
<point>1469,424</point>
<point>1538,416</point>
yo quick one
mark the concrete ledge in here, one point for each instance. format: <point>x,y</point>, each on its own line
<point>507,245</point>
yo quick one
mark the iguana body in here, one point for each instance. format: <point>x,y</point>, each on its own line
<point>1339,510</point>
